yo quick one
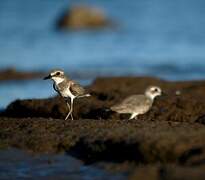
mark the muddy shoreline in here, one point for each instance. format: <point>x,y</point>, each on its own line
<point>167,142</point>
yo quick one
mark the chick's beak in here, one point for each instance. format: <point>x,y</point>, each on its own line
<point>47,77</point>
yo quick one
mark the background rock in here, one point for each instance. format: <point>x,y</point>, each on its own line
<point>13,74</point>
<point>83,17</point>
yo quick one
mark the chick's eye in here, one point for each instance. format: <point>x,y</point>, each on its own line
<point>58,73</point>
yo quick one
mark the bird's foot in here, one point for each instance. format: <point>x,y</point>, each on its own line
<point>69,115</point>
<point>133,116</point>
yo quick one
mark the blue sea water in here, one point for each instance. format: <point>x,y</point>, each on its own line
<point>158,38</point>
<point>17,164</point>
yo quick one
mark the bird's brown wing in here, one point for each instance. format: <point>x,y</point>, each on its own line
<point>76,89</point>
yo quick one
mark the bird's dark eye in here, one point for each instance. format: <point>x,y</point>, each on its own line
<point>154,90</point>
<point>58,73</point>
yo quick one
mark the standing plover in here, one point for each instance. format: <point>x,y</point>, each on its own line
<point>66,88</point>
<point>138,104</point>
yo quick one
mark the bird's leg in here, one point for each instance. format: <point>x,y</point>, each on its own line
<point>71,109</point>
<point>71,115</point>
<point>85,95</point>
<point>68,105</point>
<point>134,115</point>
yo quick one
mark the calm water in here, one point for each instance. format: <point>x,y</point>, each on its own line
<point>16,164</point>
<point>160,38</point>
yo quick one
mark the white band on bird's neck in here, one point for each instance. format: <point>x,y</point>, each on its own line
<point>58,80</point>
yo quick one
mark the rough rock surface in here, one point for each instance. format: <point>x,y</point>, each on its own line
<point>167,142</point>
<point>83,17</point>
<point>182,102</point>
<point>168,172</point>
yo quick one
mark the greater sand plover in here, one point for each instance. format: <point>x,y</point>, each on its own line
<point>138,104</point>
<point>66,88</point>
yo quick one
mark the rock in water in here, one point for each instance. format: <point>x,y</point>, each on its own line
<point>14,74</point>
<point>83,17</point>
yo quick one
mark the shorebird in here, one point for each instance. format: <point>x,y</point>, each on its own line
<point>138,104</point>
<point>66,88</point>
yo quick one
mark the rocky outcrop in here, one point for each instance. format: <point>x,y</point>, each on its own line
<point>181,102</point>
<point>167,142</point>
<point>13,74</point>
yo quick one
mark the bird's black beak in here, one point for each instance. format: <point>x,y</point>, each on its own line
<point>47,77</point>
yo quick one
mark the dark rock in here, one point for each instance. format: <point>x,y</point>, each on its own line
<point>166,143</point>
<point>201,119</point>
<point>186,107</point>
<point>168,172</point>
<point>113,140</point>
